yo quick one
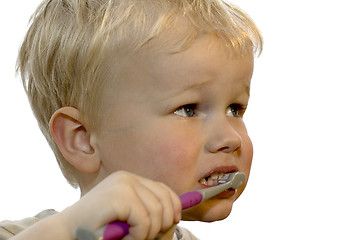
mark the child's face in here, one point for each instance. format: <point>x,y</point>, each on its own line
<point>177,118</point>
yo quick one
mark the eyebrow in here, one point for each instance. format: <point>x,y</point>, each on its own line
<point>187,87</point>
<point>193,85</point>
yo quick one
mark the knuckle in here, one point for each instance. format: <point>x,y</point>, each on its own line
<point>146,223</point>
<point>157,208</point>
<point>122,176</point>
<point>164,186</point>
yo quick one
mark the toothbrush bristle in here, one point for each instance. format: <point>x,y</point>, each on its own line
<point>224,179</point>
<point>237,179</point>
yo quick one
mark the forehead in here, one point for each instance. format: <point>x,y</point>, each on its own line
<point>208,58</point>
<point>162,71</point>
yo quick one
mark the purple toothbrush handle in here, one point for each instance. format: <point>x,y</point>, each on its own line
<point>190,199</point>
<point>117,230</point>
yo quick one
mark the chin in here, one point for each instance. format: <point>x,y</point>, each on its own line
<point>209,211</point>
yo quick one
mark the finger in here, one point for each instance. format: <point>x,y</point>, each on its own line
<point>153,212</point>
<point>177,207</point>
<point>136,215</point>
<point>169,201</point>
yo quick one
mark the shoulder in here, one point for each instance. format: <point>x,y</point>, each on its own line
<point>9,229</point>
<point>184,234</point>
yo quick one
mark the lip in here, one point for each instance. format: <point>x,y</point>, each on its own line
<point>226,193</point>
<point>220,169</point>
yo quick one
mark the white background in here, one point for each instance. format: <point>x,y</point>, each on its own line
<point>304,119</point>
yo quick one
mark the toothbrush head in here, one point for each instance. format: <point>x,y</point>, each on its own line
<point>235,180</point>
<point>231,180</point>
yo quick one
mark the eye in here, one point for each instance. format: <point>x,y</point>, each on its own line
<point>186,110</point>
<point>235,110</point>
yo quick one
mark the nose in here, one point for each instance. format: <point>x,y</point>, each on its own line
<point>224,136</point>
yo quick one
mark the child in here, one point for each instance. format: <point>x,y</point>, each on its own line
<point>141,101</point>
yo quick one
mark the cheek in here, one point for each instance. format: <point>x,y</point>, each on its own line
<point>177,149</point>
<point>246,155</point>
<point>248,150</point>
<point>175,158</point>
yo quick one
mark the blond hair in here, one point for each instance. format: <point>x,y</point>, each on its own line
<point>63,60</point>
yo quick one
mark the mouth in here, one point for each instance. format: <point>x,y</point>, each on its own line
<point>214,179</point>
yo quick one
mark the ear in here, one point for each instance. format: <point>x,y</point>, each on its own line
<point>73,139</point>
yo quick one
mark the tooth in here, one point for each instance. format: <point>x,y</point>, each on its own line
<point>214,176</point>
<point>212,182</point>
<point>224,179</point>
<point>214,179</point>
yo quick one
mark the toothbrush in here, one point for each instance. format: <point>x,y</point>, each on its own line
<point>117,230</point>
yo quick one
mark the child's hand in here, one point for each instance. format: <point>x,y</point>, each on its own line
<point>148,207</point>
